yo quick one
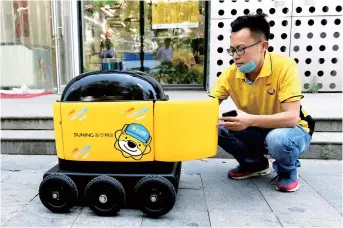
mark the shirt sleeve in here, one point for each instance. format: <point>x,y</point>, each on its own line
<point>290,85</point>
<point>221,88</point>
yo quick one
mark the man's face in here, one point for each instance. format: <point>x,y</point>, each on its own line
<point>167,43</point>
<point>243,38</point>
<point>127,24</point>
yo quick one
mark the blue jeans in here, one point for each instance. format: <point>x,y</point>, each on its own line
<point>249,146</point>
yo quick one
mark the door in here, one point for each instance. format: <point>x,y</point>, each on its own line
<point>185,130</point>
<point>65,36</point>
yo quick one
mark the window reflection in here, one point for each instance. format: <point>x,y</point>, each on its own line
<point>173,41</point>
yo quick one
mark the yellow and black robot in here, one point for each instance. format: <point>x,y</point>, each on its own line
<point>120,143</point>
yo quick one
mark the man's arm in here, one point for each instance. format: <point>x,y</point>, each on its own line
<point>220,90</point>
<point>286,119</point>
<point>220,100</point>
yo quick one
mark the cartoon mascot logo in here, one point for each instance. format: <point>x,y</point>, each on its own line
<point>133,140</point>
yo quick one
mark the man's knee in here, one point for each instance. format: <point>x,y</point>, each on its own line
<point>280,145</point>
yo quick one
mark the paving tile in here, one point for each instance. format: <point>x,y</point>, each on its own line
<point>227,194</point>
<point>241,218</point>
<point>36,215</point>
<point>302,207</point>
<point>329,187</point>
<point>215,166</point>
<point>27,162</point>
<point>9,211</point>
<point>124,218</point>
<point>290,219</point>
<point>22,180</point>
<point>5,175</point>
<point>17,196</point>
<point>179,219</point>
<point>190,181</point>
<point>189,210</point>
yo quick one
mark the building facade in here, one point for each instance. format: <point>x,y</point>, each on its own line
<point>44,44</point>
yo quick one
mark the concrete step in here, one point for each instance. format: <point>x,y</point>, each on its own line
<point>46,123</point>
<point>27,123</point>
<point>325,145</point>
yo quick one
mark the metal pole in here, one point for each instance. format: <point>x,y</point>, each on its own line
<point>141,29</point>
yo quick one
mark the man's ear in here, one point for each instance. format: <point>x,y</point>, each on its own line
<point>265,45</point>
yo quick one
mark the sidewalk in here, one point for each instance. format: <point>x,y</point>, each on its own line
<point>207,198</point>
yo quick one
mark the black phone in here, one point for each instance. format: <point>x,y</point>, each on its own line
<point>229,113</point>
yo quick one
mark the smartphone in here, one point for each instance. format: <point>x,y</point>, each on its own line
<point>230,113</point>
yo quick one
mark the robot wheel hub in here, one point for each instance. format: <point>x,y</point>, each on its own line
<point>153,198</point>
<point>55,195</point>
<point>102,198</point>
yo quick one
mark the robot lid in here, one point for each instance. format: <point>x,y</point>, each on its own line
<point>113,86</point>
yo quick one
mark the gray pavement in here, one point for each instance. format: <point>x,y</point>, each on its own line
<point>207,198</point>
<point>319,105</point>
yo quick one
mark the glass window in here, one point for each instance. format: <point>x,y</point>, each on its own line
<point>176,30</point>
<point>173,38</point>
<point>111,35</point>
<point>27,50</point>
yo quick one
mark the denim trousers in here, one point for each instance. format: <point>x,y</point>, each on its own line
<point>249,146</point>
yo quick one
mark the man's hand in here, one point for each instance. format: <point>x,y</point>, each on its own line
<point>238,123</point>
<point>288,118</point>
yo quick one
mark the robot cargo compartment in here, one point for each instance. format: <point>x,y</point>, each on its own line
<point>136,131</point>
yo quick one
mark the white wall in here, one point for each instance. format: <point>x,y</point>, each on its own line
<point>289,35</point>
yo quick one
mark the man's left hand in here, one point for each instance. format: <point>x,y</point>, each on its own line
<point>238,123</point>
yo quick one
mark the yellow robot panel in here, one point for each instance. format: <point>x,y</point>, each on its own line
<point>58,130</point>
<point>108,131</point>
<point>185,130</point>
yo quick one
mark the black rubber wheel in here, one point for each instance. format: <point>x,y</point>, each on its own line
<point>155,195</point>
<point>105,195</point>
<point>58,193</point>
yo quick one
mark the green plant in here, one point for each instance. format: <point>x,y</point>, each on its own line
<point>178,74</point>
<point>327,151</point>
<point>196,74</point>
<point>314,86</point>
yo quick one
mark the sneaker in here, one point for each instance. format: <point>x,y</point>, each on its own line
<point>287,182</point>
<point>241,172</point>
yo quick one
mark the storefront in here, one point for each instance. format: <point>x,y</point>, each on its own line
<point>39,44</point>
<point>182,43</point>
<point>46,43</point>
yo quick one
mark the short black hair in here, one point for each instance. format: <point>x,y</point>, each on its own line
<point>257,24</point>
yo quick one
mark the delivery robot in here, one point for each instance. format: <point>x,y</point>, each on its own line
<point>120,143</point>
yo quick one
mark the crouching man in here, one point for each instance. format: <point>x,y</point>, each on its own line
<point>266,89</point>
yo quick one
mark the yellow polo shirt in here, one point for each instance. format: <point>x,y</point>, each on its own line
<point>277,82</point>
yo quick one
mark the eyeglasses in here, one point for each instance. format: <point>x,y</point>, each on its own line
<point>239,51</point>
